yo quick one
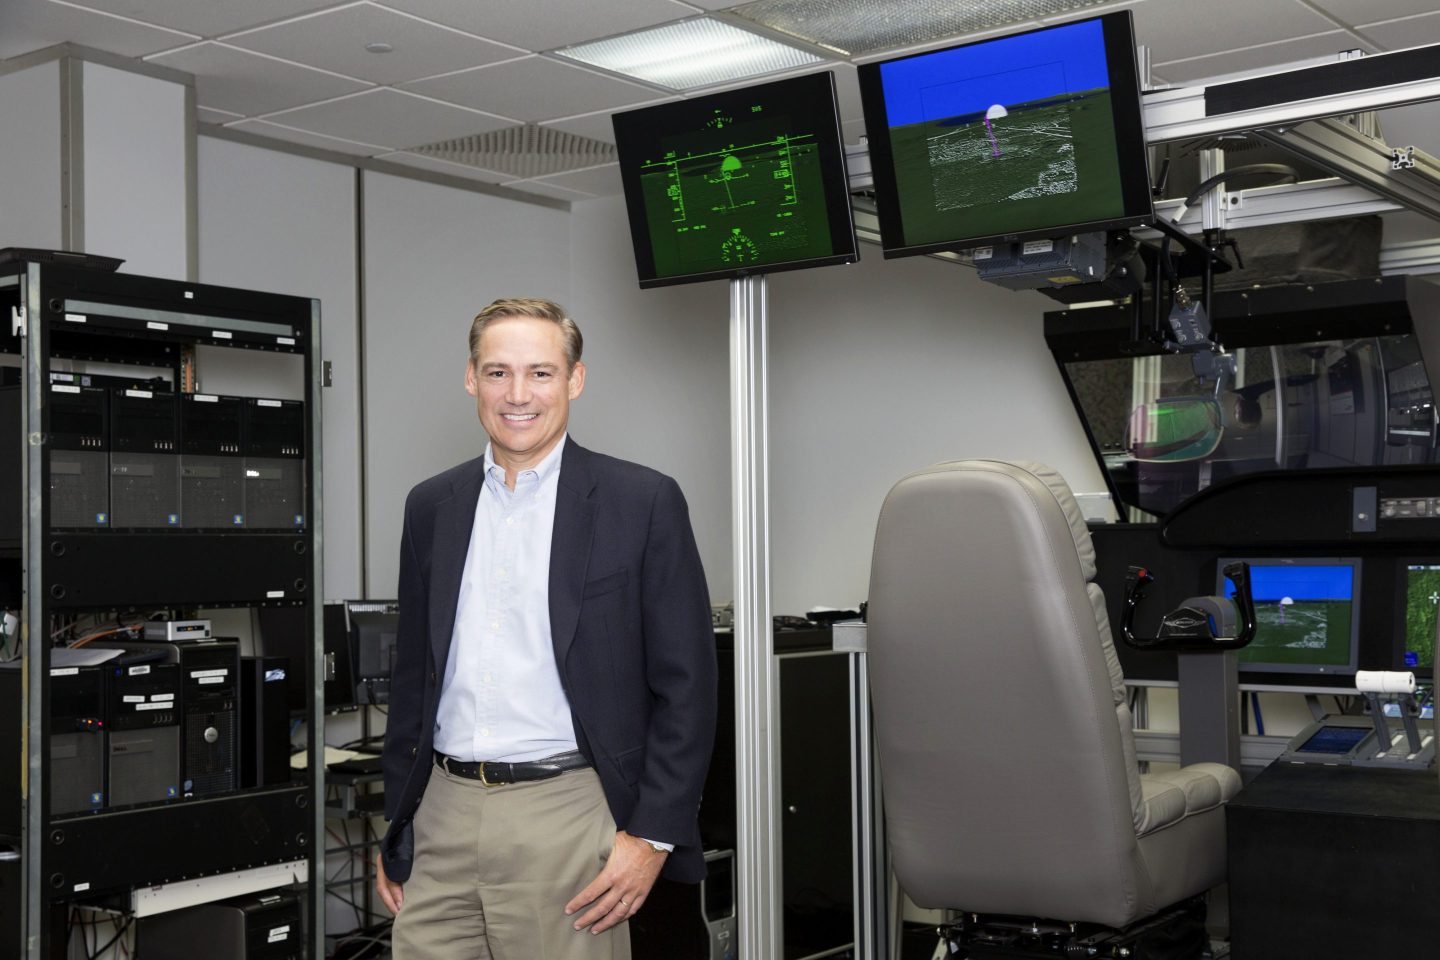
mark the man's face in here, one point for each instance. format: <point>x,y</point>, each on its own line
<point>523,388</point>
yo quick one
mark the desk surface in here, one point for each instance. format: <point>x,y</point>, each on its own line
<point>1343,791</point>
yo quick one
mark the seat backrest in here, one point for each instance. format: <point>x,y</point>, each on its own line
<point>1005,744</point>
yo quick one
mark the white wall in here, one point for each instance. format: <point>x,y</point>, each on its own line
<point>135,193</point>
<point>30,157</point>
<point>286,224</point>
<point>883,367</point>
<point>657,390</point>
<point>434,256</point>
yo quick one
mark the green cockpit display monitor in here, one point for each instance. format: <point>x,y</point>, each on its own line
<point>740,182</point>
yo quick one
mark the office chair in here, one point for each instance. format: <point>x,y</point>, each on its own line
<point>1009,776</point>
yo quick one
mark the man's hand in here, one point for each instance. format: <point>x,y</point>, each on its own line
<point>391,894</point>
<point>620,890</point>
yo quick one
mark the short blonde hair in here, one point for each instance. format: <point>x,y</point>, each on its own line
<point>535,307</point>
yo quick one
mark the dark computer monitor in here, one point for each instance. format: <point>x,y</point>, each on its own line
<point>374,627</point>
<point>283,634</point>
<point>1307,614</point>
<point>734,183</point>
<point>1030,135</point>
<point>1422,593</point>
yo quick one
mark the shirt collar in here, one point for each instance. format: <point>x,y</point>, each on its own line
<point>542,470</point>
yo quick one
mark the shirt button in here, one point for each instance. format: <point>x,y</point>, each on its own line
<point>500,572</point>
<point>484,731</point>
<point>485,678</point>
<point>494,624</point>
<point>510,521</point>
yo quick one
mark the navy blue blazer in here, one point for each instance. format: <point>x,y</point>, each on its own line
<point>630,622</point>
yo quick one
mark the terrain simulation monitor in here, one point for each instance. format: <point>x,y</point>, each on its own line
<point>1422,594</point>
<point>1307,614</point>
<point>1030,135</point>
<point>735,183</point>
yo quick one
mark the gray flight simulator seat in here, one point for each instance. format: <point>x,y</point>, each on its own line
<point>1004,736</point>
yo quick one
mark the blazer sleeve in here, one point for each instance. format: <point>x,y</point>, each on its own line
<point>407,678</point>
<point>681,672</point>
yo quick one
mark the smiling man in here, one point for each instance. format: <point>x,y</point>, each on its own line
<point>553,702</point>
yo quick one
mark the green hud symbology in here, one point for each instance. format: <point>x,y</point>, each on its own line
<point>743,189</point>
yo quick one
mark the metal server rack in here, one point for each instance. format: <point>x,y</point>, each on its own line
<point>106,856</point>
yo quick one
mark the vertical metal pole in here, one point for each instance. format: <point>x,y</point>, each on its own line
<point>317,646</point>
<point>37,655</point>
<point>757,802</point>
<point>1209,708</point>
<point>871,886</point>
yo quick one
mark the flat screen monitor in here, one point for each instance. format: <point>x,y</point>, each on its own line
<point>1307,614</point>
<point>1422,593</point>
<point>374,628</point>
<point>1029,135</point>
<point>735,183</point>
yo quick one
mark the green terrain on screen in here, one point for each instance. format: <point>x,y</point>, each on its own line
<point>1057,164</point>
<point>734,204</point>
<point>1420,586</point>
<point>1308,631</point>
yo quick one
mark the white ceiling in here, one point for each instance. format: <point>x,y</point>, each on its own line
<point>298,70</point>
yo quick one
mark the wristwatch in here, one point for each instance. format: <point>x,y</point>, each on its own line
<point>659,847</point>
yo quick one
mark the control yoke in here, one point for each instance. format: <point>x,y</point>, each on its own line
<point>1200,623</point>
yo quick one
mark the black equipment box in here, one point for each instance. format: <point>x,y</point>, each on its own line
<point>212,462</point>
<point>143,731</point>
<point>77,742</point>
<point>79,453</point>
<point>144,459</point>
<point>264,721</point>
<point>1334,862</point>
<point>260,926</point>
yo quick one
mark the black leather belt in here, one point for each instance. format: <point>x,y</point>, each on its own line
<point>493,773</point>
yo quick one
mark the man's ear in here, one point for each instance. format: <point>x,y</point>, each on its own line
<point>577,379</point>
<point>471,385</point>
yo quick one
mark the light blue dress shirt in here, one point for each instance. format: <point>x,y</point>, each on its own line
<point>501,697</point>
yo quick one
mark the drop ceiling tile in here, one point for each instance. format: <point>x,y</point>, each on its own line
<point>1360,12</point>
<point>603,181</point>
<point>443,166</point>
<point>1417,124</point>
<point>291,135</point>
<point>1181,29</point>
<point>209,115</point>
<point>30,25</point>
<point>389,116</point>
<point>533,89</point>
<point>249,84</point>
<point>1403,34</point>
<point>1257,59</point>
<point>336,41</point>
<point>208,18</point>
<point>545,24</point>
<point>547,190</point>
<point>596,126</point>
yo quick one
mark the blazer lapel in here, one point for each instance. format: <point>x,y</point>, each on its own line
<point>570,546</point>
<point>454,520</point>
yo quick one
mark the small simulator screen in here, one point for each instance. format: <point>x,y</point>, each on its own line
<point>1334,740</point>
<point>736,183</point>
<point>1422,593</point>
<point>1009,137</point>
<point>1305,616</point>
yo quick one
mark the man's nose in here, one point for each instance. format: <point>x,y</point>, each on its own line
<point>519,391</point>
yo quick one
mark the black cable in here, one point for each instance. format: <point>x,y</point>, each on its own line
<point>113,940</point>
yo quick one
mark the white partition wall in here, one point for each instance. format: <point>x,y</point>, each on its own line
<point>435,255</point>
<point>30,145</point>
<point>286,224</point>
<point>135,156</point>
<point>883,367</point>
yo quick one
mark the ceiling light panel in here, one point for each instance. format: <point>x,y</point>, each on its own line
<point>690,54</point>
<point>856,27</point>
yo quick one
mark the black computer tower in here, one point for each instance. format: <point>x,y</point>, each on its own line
<point>12,513</point>
<point>77,739</point>
<point>144,459</point>
<point>274,437</point>
<point>257,926</point>
<point>79,452</point>
<point>265,721</point>
<point>142,730</point>
<point>77,742</point>
<point>209,710</point>
<point>212,462</point>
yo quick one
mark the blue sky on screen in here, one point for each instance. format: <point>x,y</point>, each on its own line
<point>1006,70</point>
<point>1268,584</point>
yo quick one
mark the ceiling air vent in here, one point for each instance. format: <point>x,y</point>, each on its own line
<point>525,151</point>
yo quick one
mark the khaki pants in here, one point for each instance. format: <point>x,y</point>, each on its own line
<point>495,866</point>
